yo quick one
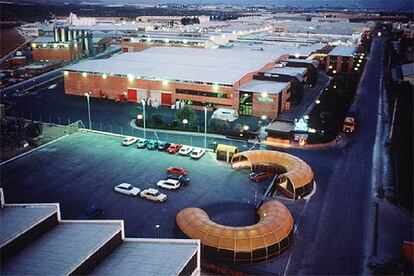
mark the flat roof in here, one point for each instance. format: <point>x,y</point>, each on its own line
<point>343,51</point>
<point>290,71</point>
<point>291,48</point>
<point>61,250</point>
<point>223,66</point>
<point>281,126</point>
<point>156,257</point>
<point>262,86</point>
<point>16,219</point>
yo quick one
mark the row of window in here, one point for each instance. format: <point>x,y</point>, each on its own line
<point>202,93</point>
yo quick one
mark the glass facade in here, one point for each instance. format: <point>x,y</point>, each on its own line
<point>246,103</point>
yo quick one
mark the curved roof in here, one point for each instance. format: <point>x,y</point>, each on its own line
<point>275,224</point>
<point>299,173</point>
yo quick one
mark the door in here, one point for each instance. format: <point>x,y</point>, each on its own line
<point>165,98</point>
<point>132,95</point>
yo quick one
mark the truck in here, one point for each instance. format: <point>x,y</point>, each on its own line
<point>350,120</point>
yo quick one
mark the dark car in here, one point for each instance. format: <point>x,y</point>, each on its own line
<point>183,179</point>
<point>163,145</point>
<point>259,176</point>
<point>152,144</point>
<point>142,143</point>
<point>92,212</point>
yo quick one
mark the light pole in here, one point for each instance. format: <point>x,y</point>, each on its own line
<point>205,128</point>
<point>143,101</point>
<point>89,110</point>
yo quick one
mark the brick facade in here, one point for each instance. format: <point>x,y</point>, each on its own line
<point>69,53</point>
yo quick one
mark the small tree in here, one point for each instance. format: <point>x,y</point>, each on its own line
<point>157,119</point>
<point>186,113</point>
<point>238,127</point>
<point>218,125</point>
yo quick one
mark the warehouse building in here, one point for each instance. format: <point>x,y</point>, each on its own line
<point>196,77</point>
<point>341,59</point>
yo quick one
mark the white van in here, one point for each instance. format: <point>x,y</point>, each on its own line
<point>225,114</point>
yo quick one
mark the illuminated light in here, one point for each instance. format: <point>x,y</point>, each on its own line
<point>246,127</point>
<point>312,130</point>
<point>55,45</point>
<point>185,41</point>
<point>139,117</point>
<point>66,45</point>
<point>317,101</point>
<point>34,45</point>
<point>306,117</point>
<point>149,39</point>
<point>84,74</point>
<point>130,77</point>
<point>359,64</point>
<point>334,86</point>
<point>297,55</point>
<point>185,121</point>
<point>330,67</point>
<point>167,40</point>
<point>104,76</point>
<point>356,68</point>
<point>359,61</point>
<point>165,82</point>
<point>215,87</point>
<point>76,45</point>
<point>363,54</point>
<point>233,32</point>
<point>264,95</point>
<point>264,117</point>
<point>65,73</point>
<point>44,45</point>
<point>334,71</point>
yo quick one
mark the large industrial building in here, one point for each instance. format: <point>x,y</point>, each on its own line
<point>196,77</point>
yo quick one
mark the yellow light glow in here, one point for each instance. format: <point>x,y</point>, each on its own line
<point>215,87</point>
<point>34,45</point>
<point>297,55</point>
<point>330,67</point>
<point>65,73</point>
<point>334,71</point>
<point>44,45</point>
<point>104,76</point>
<point>264,95</point>
<point>84,74</point>
<point>130,77</point>
<point>55,45</point>
<point>165,82</point>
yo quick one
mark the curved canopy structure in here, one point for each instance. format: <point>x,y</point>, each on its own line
<point>271,236</point>
<point>295,181</point>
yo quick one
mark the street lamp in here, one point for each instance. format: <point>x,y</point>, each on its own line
<point>143,101</point>
<point>245,127</point>
<point>205,127</point>
<point>264,117</point>
<point>89,110</point>
<point>185,122</point>
<point>317,101</point>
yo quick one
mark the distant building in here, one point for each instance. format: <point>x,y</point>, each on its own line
<point>341,59</point>
<point>74,20</point>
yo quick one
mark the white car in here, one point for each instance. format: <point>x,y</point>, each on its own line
<point>129,141</point>
<point>153,194</point>
<point>197,153</point>
<point>169,184</point>
<point>185,150</point>
<point>127,189</point>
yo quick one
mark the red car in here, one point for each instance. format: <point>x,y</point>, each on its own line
<point>174,148</point>
<point>260,176</point>
<point>175,170</point>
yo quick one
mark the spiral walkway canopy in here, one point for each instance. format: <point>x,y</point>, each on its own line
<point>259,242</point>
<point>295,181</point>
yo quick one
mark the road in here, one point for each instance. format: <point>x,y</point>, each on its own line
<point>333,229</point>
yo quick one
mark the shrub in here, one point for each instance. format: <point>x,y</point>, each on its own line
<point>186,113</point>
<point>218,125</point>
<point>157,119</point>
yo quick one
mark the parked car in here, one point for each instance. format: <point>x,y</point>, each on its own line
<point>153,194</point>
<point>185,150</point>
<point>169,184</point>
<point>259,176</point>
<point>142,143</point>
<point>163,145</point>
<point>174,148</point>
<point>92,212</point>
<point>183,179</point>
<point>175,170</point>
<point>127,189</point>
<point>127,141</point>
<point>197,153</point>
<point>152,144</point>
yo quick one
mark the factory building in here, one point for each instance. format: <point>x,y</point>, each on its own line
<point>64,45</point>
<point>195,77</point>
<point>341,59</point>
